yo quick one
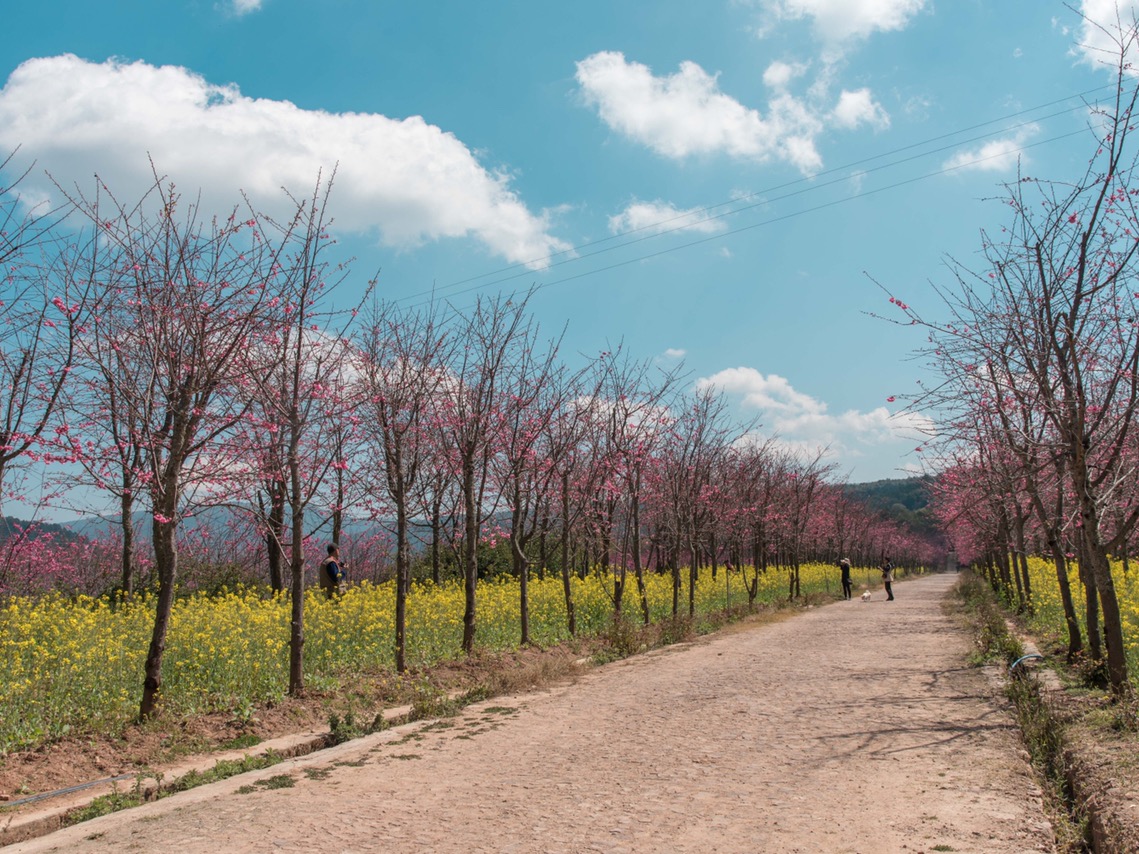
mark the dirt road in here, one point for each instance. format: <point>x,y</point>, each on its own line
<point>855,727</point>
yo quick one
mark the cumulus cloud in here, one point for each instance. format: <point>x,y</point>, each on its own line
<point>996,155</point>
<point>1100,26</point>
<point>658,216</point>
<point>842,20</point>
<point>803,422</point>
<point>405,179</point>
<point>771,393</point>
<point>780,74</point>
<point>859,108</point>
<point>685,113</point>
<point>675,353</point>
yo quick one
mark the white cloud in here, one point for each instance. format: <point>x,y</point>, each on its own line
<point>675,353</point>
<point>686,114</point>
<point>859,108</point>
<point>408,180</point>
<point>780,74</point>
<point>771,393</point>
<point>661,216</point>
<point>842,20</point>
<point>803,422</point>
<point>857,180</point>
<point>244,7</point>
<point>1099,29</point>
<point>996,155</point>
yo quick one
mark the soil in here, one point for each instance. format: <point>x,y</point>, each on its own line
<point>855,727</point>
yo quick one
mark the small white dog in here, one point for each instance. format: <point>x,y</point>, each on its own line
<point>866,596</point>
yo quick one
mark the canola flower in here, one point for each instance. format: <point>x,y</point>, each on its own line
<point>75,664</point>
<point>1047,619</point>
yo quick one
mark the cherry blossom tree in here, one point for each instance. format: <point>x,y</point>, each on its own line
<point>489,337</point>
<point>43,305</point>
<point>403,355</point>
<point>188,316</point>
<point>298,399</point>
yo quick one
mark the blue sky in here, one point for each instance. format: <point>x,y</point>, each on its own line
<point>488,146</point>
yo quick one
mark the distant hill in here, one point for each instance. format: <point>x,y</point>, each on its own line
<point>905,500</point>
<point>219,521</point>
<point>9,525</point>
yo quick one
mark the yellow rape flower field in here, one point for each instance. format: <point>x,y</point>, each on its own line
<point>70,665</point>
<point>1047,621</point>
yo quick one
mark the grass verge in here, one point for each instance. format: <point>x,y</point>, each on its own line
<point>1042,730</point>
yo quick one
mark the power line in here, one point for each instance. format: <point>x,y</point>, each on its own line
<point>772,220</point>
<point>659,228</point>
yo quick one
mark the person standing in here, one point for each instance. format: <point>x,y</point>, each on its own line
<point>888,578</point>
<point>332,572</point>
<point>847,588</point>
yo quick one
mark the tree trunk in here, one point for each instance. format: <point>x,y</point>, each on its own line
<point>1100,572</point>
<point>402,585</point>
<point>521,569</point>
<point>126,506</point>
<point>1075,641</point>
<point>1091,605</point>
<point>470,556</point>
<point>436,509</point>
<point>692,574</point>
<point>297,573</point>
<point>166,562</point>
<point>567,587</point>
<point>638,569</point>
<point>542,553</point>
<point>275,523</point>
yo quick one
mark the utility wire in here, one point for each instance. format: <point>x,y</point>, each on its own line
<point>659,228</point>
<point>771,221</point>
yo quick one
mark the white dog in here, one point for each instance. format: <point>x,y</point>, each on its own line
<point>866,596</point>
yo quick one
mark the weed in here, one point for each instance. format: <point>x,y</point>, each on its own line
<point>246,740</point>
<point>676,630</point>
<point>243,713</point>
<point>342,729</point>
<point>620,639</point>
<point>431,702</point>
<point>280,781</point>
<point>106,804</point>
<point>991,636</point>
<point>1126,717</point>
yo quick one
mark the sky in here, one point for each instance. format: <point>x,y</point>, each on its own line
<point>737,186</point>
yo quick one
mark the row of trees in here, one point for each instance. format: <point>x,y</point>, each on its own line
<point>174,362</point>
<point>1038,399</point>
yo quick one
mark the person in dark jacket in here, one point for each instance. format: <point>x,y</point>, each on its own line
<point>332,572</point>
